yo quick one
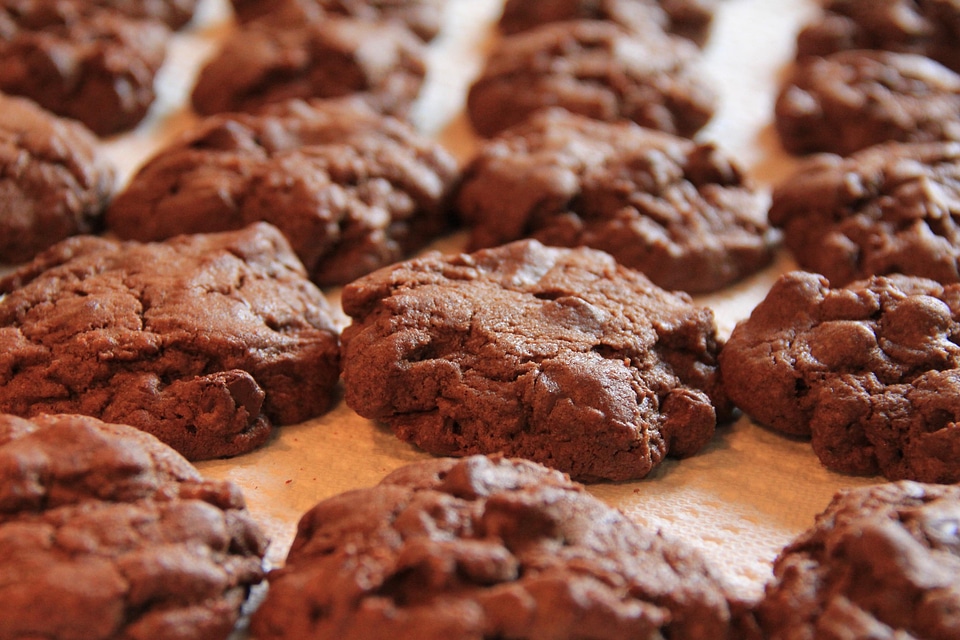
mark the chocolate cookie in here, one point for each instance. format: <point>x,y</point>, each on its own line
<point>688,18</point>
<point>203,341</point>
<point>108,533</point>
<point>423,17</point>
<point>925,27</point>
<point>597,69</point>
<point>850,100</point>
<point>276,58</point>
<point>880,562</point>
<point>487,548</point>
<point>681,212</point>
<point>352,190</point>
<point>891,208</point>
<point>561,356</point>
<point>870,371</point>
<point>53,181</point>
<point>81,60</point>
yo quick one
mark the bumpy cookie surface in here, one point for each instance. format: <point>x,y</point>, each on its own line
<point>870,371</point>
<point>688,18</point>
<point>557,355</point>
<point>850,100</point>
<point>487,548</point>
<point>53,181</point>
<point>203,341</point>
<point>890,208</point>
<point>423,17</point>
<point>352,190</point>
<point>595,68</point>
<point>925,27</point>
<point>276,58</point>
<point>108,533</point>
<point>81,60</point>
<point>682,213</point>
<point>880,562</point>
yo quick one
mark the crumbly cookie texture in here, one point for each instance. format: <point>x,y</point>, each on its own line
<point>926,27</point>
<point>880,562</point>
<point>352,190</point>
<point>557,355</point>
<point>850,100</point>
<point>595,68</point>
<point>887,209</point>
<point>487,547</point>
<point>204,341</point>
<point>681,212</point>
<point>276,58</point>
<point>108,533</point>
<point>870,371</point>
<point>54,183</point>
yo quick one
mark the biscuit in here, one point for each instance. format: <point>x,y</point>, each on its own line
<point>886,209</point>
<point>352,190</point>
<point>870,372</point>
<point>558,355</point>
<point>853,99</point>
<point>81,60</point>
<point>597,69</point>
<point>487,548</point>
<point>681,212</point>
<point>925,27</point>
<point>53,181</point>
<point>204,341</point>
<point>277,58</point>
<point>688,18</point>
<point>423,17</point>
<point>108,533</point>
<point>880,562</point>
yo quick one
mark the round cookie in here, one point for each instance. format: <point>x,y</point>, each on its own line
<point>108,533</point>
<point>870,372</point>
<point>597,69</point>
<point>853,99</point>
<point>880,562</point>
<point>488,548</point>
<point>925,27</point>
<point>890,208</point>
<point>53,181</point>
<point>688,18</point>
<point>277,58</point>
<point>352,190</point>
<point>423,17</point>
<point>204,341</point>
<point>558,355</point>
<point>681,212</point>
<point>81,60</point>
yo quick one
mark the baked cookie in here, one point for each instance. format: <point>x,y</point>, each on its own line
<point>53,181</point>
<point>423,17</point>
<point>277,58</point>
<point>870,372</point>
<point>204,341</point>
<point>351,189</point>
<point>853,99</point>
<point>561,356</point>
<point>681,212</point>
<point>597,69</point>
<point>890,208</point>
<point>688,18</point>
<point>488,548</point>
<point>880,562</point>
<point>81,60</point>
<point>925,27</point>
<point>108,533</point>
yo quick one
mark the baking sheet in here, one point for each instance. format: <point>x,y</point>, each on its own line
<point>743,497</point>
